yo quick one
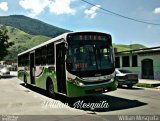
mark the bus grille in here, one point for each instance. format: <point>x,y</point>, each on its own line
<point>97,82</point>
<point>94,91</point>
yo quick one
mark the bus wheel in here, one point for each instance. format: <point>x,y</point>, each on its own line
<point>130,85</point>
<point>50,90</point>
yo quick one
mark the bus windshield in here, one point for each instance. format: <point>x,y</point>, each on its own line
<point>89,57</point>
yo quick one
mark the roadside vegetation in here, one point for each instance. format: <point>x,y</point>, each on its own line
<point>4,43</point>
<point>147,85</point>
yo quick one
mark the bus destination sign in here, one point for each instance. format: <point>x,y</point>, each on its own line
<point>88,37</point>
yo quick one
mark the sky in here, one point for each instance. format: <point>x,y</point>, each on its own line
<point>77,15</point>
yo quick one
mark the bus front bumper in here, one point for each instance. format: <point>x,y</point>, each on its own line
<point>87,90</point>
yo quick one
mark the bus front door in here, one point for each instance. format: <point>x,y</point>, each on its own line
<point>60,67</point>
<point>32,68</point>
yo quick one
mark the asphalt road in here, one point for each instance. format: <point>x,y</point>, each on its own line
<point>33,104</point>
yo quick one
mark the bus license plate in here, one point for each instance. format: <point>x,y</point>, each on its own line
<point>98,89</point>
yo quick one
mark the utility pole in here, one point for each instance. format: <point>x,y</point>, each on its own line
<point>131,47</point>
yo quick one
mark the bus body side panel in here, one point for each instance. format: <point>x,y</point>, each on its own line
<point>28,77</point>
<point>23,73</point>
<point>41,79</point>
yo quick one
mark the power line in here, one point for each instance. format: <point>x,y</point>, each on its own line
<point>122,16</point>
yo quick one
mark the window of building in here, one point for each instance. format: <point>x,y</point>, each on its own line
<point>134,61</point>
<point>125,61</point>
<point>117,62</point>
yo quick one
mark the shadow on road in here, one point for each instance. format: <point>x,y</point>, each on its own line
<point>97,103</point>
<point>114,103</point>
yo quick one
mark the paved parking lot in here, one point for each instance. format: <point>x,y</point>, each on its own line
<point>15,99</point>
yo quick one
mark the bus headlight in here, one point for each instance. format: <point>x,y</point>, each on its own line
<point>112,79</point>
<point>77,83</point>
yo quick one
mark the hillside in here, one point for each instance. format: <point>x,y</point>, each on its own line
<point>122,47</point>
<point>22,41</point>
<point>31,26</point>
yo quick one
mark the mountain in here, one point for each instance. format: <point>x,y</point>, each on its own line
<point>26,33</point>
<point>31,26</point>
<point>122,47</point>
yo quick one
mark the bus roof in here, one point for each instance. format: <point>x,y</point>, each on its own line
<point>63,36</point>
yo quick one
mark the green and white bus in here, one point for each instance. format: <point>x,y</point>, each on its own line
<point>73,64</point>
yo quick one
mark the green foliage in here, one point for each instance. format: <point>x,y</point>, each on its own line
<point>22,41</point>
<point>4,44</point>
<point>145,85</point>
<point>31,26</point>
<point>122,47</point>
<point>26,33</point>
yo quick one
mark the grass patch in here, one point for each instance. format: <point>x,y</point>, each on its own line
<point>146,85</point>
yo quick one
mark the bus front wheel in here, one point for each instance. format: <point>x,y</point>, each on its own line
<point>50,90</point>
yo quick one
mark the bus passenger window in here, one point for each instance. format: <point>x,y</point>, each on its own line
<point>50,53</point>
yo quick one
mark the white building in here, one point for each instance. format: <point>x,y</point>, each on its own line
<point>145,62</point>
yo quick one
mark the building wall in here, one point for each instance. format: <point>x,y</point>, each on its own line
<point>156,63</point>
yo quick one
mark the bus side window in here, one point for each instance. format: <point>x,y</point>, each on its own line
<point>23,60</point>
<point>38,57</point>
<point>26,59</point>
<point>43,56</point>
<point>19,61</point>
<point>50,54</point>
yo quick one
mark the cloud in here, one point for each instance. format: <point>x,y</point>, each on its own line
<point>157,10</point>
<point>92,12</point>
<point>61,7</point>
<point>35,6</point>
<point>4,6</point>
<point>57,6</point>
<point>83,7</point>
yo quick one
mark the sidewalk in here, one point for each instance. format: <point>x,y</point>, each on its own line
<point>155,83</point>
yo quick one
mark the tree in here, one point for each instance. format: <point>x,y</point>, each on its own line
<point>4,44</point>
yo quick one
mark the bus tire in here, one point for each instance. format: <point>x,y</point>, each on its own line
<point>50,89</point>
<point>130,85</point>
